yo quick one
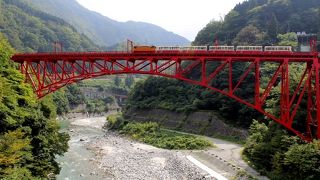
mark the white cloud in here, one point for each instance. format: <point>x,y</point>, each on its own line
<point>184,17</point>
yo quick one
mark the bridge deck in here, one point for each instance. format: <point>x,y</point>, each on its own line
<point>238,55</point>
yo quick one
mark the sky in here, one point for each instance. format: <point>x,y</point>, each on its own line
<point>183,17</point>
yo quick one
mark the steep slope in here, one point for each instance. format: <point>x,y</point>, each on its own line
<point>30,30</point>
<point>104,30</point>
<point>268,17</point>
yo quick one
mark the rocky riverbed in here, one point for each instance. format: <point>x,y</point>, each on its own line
<point>98,154</point>
<point>126,159</point>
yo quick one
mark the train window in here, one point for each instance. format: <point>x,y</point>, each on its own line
<point>221,48</point>
<point>249,48</point>
<point>277,48</point>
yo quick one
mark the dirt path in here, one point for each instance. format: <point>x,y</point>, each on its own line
<point>225,159</point>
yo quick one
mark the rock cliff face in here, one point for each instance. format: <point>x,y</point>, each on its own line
<point>200,122</point>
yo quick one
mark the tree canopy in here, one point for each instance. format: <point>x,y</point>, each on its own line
<point>29,30</point>
<point>29,136</point>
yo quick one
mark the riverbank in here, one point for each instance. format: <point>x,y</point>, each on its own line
<point>127,159</point>
<point>111,156</point>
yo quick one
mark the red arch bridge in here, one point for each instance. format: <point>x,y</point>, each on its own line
<point>269,73</point>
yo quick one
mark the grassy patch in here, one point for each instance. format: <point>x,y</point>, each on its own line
<point>242,174</point>
<point>232,139</point>
<point>152,134</point>
<point>104,83</point>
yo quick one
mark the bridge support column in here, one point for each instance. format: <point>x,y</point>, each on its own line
<point>177,68</point>
<point>204,72</point>
<point>257,84</point>
<point>310,105</point>
<point>317,93</point>
<point>230,76</point>
<point>285,93</point>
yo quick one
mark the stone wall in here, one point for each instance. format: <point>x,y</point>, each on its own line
<point>200,122</point>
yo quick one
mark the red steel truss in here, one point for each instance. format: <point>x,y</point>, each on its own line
<point>47,72</point>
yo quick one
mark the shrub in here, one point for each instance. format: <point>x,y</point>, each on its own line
<point>280,156</point>
<point>115,122</point>
<point>151,133</point>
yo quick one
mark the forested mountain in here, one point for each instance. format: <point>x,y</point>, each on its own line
<point>104,30</point>
<point>28,29</point>
<point>260,21</point>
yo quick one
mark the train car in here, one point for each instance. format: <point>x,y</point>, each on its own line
<point>221,48</point>
<point>147,49</point>
<point>193,48</point>
<point>278,48</point>
<point>181,48</point>
<point>249,48</point>
<point>167,48</point>
<point>144,49</point>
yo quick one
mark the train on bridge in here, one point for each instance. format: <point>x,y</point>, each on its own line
<point>148,49</point>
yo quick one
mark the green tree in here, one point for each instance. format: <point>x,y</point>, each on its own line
<point>288,39</point>
<point>250,35</point>
<point>303,161</point>
<point>28,126</point>
<point>117,81</point>
<point>273,152</point>
<point>210,34</point>
<point>15,151</point>
<point>129,81</point>
<point>61,102</point>
<point>74,95</point>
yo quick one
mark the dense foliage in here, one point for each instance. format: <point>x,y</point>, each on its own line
<point>270,149</point>
<point>258,22</point>
<point>169,94</point>
<point>29,137</point>
<point>253,22</point>
<point>280,156</point>
<point>29,30</point>
<point>151,133</point>
<point>98,106</point>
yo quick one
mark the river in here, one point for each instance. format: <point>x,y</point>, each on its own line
<point>79,161</point>
<point>97,154</point>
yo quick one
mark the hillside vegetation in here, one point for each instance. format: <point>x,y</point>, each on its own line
<point>270,149</point>
<point>247,24</point>
<point>259,22</point>
<point>105,31</point>
<point>31,30</point>
<point>29,133</point>
<point>152,133</point>
<point>275,153</point>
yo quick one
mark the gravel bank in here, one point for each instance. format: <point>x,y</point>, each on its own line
<point>117,157</point>
<point>121,158</point>
<point>126,159</point>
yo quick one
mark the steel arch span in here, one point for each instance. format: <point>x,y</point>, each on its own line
<point>47,72</point>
